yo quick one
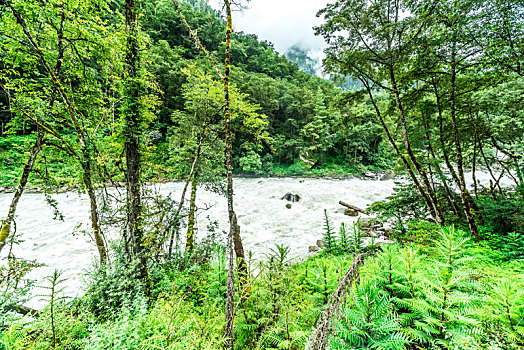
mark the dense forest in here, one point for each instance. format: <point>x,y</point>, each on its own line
<point>106,98</point>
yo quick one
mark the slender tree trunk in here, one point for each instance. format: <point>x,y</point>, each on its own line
<point>514,157</point>
<point>234,229</point>
<point>228,332</point>
<point>439,171</point>
<point>183,196</point>
<point>433,201</point>
<point>464,194</point>
<point>6,224</point>
<point>95,222</point>
<point>191,218</point>
<point>397,150</point>
<point>132,144</point>
<point>474,166</point>
<point>74,113</point>
<point>486,161</point>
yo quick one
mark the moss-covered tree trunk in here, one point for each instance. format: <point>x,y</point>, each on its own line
<point>131,113</point>
<point>234,229</point>
<point>74,114</point>
<point>467,201</point>
<point>191,218</point>
<point>5,231</point>
<point>431,197</point>
<point>228,332</point>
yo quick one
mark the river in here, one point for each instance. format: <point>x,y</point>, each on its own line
<point>262,214</point>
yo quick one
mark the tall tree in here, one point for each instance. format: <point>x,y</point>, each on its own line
<point>131,111</point>
<point>375,48</point>
<point>29,99</point>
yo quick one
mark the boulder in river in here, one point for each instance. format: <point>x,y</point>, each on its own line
<point>320,243</point>
<point>350,212</point>
<point>368,174</point>
<point>389,175</point>
<point>369,223</point>
<point>290,197</point>
<point>288,206</point>
<point>313,249</point>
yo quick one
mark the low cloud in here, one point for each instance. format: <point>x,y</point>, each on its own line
<point>283,22</point>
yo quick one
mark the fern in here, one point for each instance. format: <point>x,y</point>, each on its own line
<point>506,300</point>
<point>329,235</point>
<point>441,306</point>
<point>369,323</point>
<point>343,239</point>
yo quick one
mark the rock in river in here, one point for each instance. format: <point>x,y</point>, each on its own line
<point>290,197</point>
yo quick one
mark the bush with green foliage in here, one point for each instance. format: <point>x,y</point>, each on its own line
<point>251,163</point>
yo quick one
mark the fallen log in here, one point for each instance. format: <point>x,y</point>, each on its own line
<point>305,160</point>
<point>23,310</point>
<point>353,207</point>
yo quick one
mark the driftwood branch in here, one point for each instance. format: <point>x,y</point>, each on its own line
<point>352,207</point>
<point>23,310</point>
<point>309,162</point>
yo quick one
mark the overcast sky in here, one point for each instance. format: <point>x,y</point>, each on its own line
<point>282,22</point>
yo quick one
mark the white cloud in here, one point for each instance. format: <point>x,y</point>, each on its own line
<point>282,22</point>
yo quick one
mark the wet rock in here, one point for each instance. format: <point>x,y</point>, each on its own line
<point>366,222</point>
<point>320,243</point>
<point>313,249</point>
<point>370,233</point>
<point>370,223</point>
<point>368,174</point>
<point>288,206</point>
<point>389,175</point>
<point>350,212</point>
<point>290,197</point>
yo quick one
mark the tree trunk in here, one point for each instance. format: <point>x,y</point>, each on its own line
<point>397,150</point>
<point>474,166</point>
<point>95,222</point>
<point>486,162</point>
<point>6,224</point>
<point>234,229</point>
<point>132,144</point>
<point>433,201</point>
<point>443,178</point>
<point>73,112</point>
<point>191,218</point>
<point>464,194</point>
<point>514,157</point>
<point>183,196</point>
<point>228,331</point>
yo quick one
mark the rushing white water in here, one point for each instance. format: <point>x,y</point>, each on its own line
<point>262,214</point>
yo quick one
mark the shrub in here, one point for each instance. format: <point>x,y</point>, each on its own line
<point>251,163</point>
<point>113,287</point>
<point>295,169</point>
